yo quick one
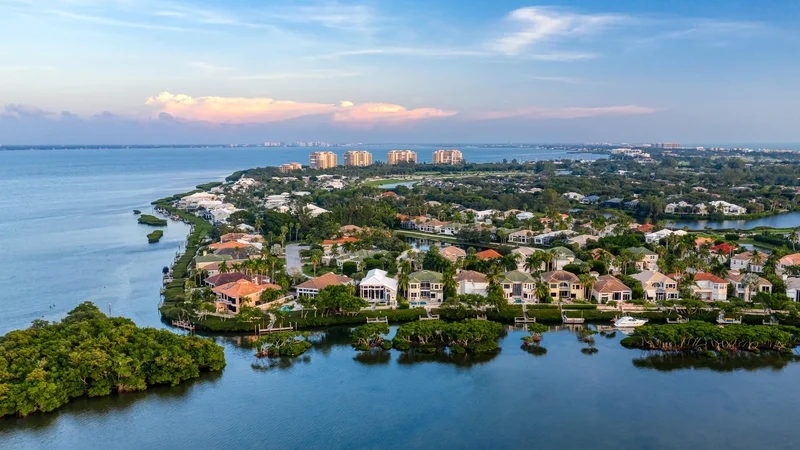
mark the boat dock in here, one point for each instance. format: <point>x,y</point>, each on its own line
<point>570,320</point>
<point>678,320</point>
<point>773,321</point>
<point>722,320</point>
<point>273,329</point>
<point>379,319</point>
<point>429,316</point>
<point>525,319</point>
<point>185,324</point>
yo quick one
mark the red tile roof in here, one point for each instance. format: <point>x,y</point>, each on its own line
<point>704,276</point>
<point>724,249</point>
<point>339,241</point>
<point>323,281</point>
<point>488,254</point>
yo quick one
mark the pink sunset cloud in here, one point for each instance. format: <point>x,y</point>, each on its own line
<point>239,110</point>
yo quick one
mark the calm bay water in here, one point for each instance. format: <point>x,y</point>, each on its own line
<point>69,235</point>
<point>786,220</point>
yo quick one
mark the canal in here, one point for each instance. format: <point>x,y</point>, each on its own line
<point>335,397</point>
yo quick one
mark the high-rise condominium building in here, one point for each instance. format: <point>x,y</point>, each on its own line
<point>671,145</point>
<point>322,160</point>
<point>290,167</point>
<point>447,157</point>
<point>357,158</point>
<point>401,156</point>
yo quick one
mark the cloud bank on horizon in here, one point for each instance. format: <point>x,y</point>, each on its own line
<point>171,71</point>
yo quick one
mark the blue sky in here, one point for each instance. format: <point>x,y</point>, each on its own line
<point>139,71</point>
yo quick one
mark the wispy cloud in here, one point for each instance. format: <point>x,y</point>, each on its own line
<point>566,113</point>
<point>536,24</point>
<point>406,51</point>
<point>568,80</point>
<point>307,75</point>
<point>209,67</point>
<point>111,21</point>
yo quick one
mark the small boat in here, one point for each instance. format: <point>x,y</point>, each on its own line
<point>722,320</point>
<point>629,322</point>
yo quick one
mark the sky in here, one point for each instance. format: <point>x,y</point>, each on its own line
<point>202,71</point>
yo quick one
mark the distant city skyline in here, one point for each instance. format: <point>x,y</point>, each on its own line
<point>194,71</point>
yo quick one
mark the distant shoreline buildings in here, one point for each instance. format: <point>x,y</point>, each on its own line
<point>447,157</point>
<point>322,160</point>
<point>286,168</point>
<point>357,158</point>
<point>401,156</point>
<point>361,158</point>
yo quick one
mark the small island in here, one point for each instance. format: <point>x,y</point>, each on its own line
<point>136,212</point>
<point>153,221</point>
<point>155,236</point>
<point>710,339</point>
<point>88,353</point>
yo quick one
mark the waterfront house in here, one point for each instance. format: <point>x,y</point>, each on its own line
<point>729,209</point>
<point>610,288</point>
<point>452,253</point>
<point>471,282</point>
<point>752,261</point>
<point>657,286</point>
<point>431,226</point>
<point>645,258</point>
<point>378,288</point>
<point>425,287</point>
<point>564,286</point>
<point>746,285</point>
<point>709,287</point>
<point>312,287</point>
<point>232,296</point>
<point>518,287</point>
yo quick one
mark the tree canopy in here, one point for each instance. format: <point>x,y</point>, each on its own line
<point>87,353</point>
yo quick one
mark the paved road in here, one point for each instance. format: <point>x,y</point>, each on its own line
<point>293,257</point>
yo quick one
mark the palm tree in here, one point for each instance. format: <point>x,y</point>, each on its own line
<point>315,259</point>
<point>542,290</point>
<point>588,283</point>
<point>449,281</point>
<point>403,277</point>
<point>284,231</point>
<point>549,258</point>
<point>259,225</point>
<point>719,269</point>
<point>750,281</point>
<point>533,263</point>
<point>625,257</point>
<point>223,267</point>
